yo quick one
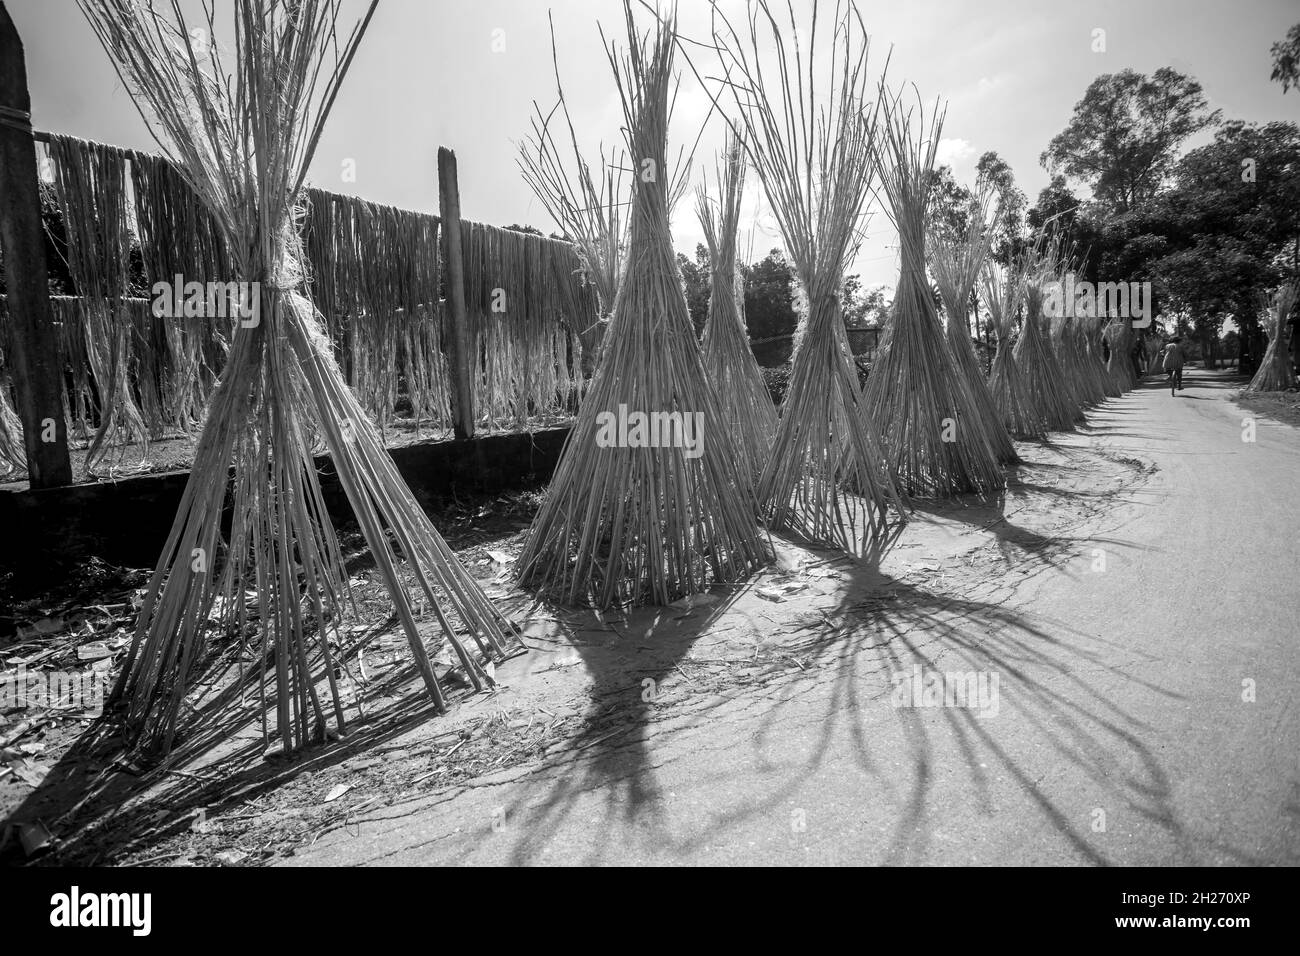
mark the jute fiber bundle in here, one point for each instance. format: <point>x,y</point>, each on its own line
<point>1119,337</point>
<point>825,478</point>
<point>1003,290</point>
<point>639,513</point>
<point>936,439</point>
<point>955,262</point>
<point>728,359</point>
<point>243,139</point>
<point>1276,372</point>
<point>1039,368</point>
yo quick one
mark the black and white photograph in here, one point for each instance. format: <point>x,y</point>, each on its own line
<point>638,434</point>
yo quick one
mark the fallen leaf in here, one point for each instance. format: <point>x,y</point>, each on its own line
<point>500,557</point>
<point>768,594</point>
<point>337,791</point>
<point>231,857</point>
<point>94,651</point>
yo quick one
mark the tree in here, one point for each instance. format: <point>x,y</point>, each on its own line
<point>1286,60</point>
<point>769,307</point>
<point>695,277</point>
<point>949,201</point>
<point>996,172</point>
<point>1123,137</point>
<point>1231,228</point>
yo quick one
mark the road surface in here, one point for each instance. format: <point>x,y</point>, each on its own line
<point>1145,714</point>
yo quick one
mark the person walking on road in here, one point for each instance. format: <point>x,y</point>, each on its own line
<point>1172,362</point>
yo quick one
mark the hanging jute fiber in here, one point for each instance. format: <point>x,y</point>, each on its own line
<point>91,183</point>
<point>935,438</point>
<point>728,360</point>
<point>280,390</point>
<point>649,502</point>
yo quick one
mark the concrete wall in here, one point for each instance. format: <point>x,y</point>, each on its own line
<point>126,522</point>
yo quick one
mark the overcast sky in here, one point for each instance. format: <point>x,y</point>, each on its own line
<point>427,75</point>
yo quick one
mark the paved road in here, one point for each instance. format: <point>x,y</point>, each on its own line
<point>1145,714</point>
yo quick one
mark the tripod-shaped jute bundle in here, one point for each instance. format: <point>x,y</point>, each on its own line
<point>1276,372</point>
<point>1043,380</point>
<point>729,361</point>
<point>826,477</point>
<point>1119,338</point>
<point>244,141</point>
<point>649,502</point>
<point>1003,290</point>
<point>935,438</point>
<point>955,262</point>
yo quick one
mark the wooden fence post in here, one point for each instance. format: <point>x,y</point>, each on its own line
<point>35,342</point>
<point>462,382</point>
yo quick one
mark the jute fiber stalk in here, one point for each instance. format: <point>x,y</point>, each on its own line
<point>955,262</point>
<point>808,132</point>
<point>587,201</point>
<point>633,515</point>
<point>243,139</point>
<point>935,437</point>
<point>728,359</point>
<point>1276,373</point>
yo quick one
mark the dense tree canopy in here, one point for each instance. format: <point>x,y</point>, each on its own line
<point>1124,135</point>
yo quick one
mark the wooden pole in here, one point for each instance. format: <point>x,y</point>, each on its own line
<point>35,344</point>
<point>462,390</point>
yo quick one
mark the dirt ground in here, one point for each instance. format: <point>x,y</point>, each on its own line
<point>1280,406</point>
<point>580,679</point>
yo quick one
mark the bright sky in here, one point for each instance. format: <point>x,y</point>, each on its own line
<point>427,75</point>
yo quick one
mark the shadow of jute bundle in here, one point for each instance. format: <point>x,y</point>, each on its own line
<point>244,142</point>
<point>955,262</point>
<point>729,361</point>
<point>1276,372</point>
<point>825,478</point>
<point>649,502</point>
<point>935,438</point>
